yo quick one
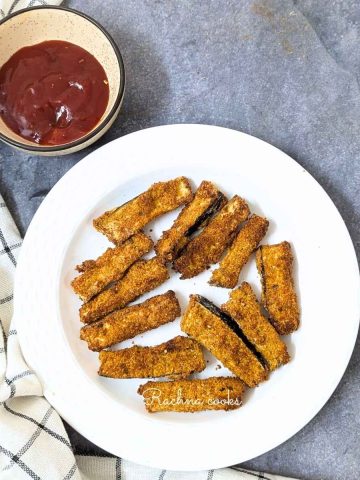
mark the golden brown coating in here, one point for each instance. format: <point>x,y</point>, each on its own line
<point>207,201</point>
<point>215,393</point>
<point>162,197</point>
<point>243,246</point>
<point>143,276</point>
<point>176,358</point>
<point>221,335</point>
<point>110,266</point>
<point>85,266</point>
<point>274,263</point>
<point>210,244</point>
<point>244,308</point>
<point>131,321</point>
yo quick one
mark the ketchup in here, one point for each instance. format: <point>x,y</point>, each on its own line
<point>52,93</point>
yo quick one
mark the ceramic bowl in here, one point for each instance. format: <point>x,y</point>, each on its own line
<point>39,24</point>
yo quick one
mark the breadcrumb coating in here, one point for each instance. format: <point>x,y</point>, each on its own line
<point>244,308</point>
<point>162,197</point>
<point>274,263</point>
<point>207,201</point>
<point>176,358</point>
<point>245,243</point>
<point>210,244</point>
<point>110,266</point>
<point>143,276</point>
<point>206,323</point>
<point>131,321</point>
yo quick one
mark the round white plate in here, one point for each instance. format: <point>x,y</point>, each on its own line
<point>109,412</point>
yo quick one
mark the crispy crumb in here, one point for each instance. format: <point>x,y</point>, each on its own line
<point>244,308</point>
<point>110,266</point>
<point>212,331</point>
<point>143,276</point>
<point>178,357</point>
<point>131,321</point>
<point>206,202</point>
<point>162,197</point>
<point>210,244</point>
<point>274,263</point>
<point>243,246</point>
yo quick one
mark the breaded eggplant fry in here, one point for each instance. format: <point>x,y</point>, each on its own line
<point>131,321</point>
<point>210,244</point>
<point>110,266</point>
<point>244,308</point>
<point>162,197</point>
<point>207,201</point>
<point>220,334</point>
<point>243,246</point>
<point>215,393</point>
<point>143,276</point>
<point>274,263</point>
<point>176,358</point>
<point>85,266</point>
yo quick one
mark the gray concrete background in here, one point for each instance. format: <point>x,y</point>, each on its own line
<point>285,71</point>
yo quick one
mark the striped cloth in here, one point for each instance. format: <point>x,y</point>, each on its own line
<point>33,441</point>
<point>10,6</point>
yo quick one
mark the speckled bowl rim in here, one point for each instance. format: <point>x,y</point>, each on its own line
<point>118,100</point>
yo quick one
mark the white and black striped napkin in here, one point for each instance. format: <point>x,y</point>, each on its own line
<point>10,6</point>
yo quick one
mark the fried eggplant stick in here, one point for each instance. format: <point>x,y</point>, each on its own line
<point>110,266</point>
<point>274,263</point>
<point>244,308</point>
<point>207,201</point>
<point>215,393</point>
<point>131,321</point>
<point>243,246</point>
<point>162,197</point>
<point>176,358</point>
<point>210,244</point>
<point>221,335</point>
<point>143,276</point>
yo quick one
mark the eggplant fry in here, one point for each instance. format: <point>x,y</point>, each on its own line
<point>214,393</point>
<point>244,308</point>
<point>176,358</point>
<point>274,263</point>
<point>210,244</point>
<point>143,276</point>
<point>162,197</point>
<point>243,246</point>
<point>221,335</point>
<point>85,266</point>
<point>131,321</point>
<point>110,266</point>
<point>207,201</point>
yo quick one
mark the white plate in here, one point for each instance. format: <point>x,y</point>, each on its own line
<point>109,412</point>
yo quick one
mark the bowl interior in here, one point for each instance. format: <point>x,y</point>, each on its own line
<point>35,26</point>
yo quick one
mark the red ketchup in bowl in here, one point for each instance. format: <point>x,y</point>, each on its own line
<point>52,93</point>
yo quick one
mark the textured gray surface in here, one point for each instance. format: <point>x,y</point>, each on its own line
<point>287,72</point>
